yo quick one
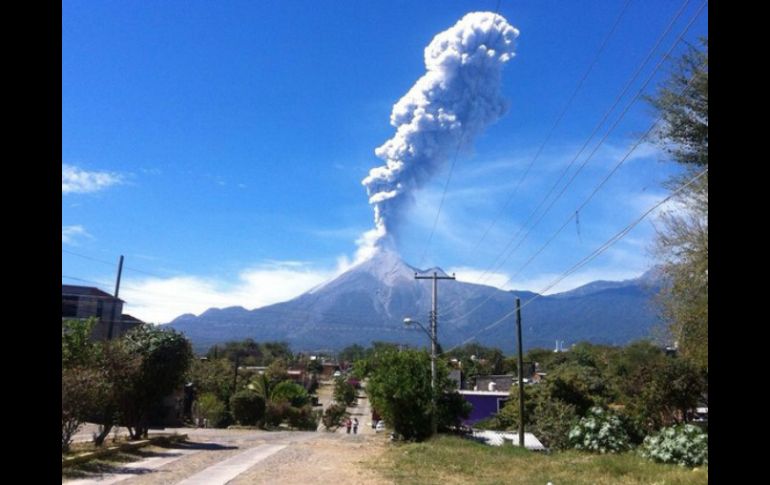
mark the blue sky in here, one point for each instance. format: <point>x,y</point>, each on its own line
<point>220,146</point>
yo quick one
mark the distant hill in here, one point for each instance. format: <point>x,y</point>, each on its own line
<point>369,302</point>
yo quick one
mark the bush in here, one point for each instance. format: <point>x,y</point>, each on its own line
<point>452,408</point>
<point>247,407</point>
<point>212,409</point>
<point>685,445</point>
<point>303,418</point>
<point>553,421</point>
<point>332,417</point>
<point>344,392</point>
<point>399,388</point>
<point>600,431</point>
<point>83,391</point>
<point>292,392</point>
<point>275,412</point>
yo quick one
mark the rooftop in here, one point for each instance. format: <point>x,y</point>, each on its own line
<point>74,290</point>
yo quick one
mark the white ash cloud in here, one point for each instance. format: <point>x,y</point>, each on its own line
<point>456,99</point>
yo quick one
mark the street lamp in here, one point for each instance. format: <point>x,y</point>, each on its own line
<point>432,336</point>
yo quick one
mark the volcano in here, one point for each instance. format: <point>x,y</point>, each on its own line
<point>369,302</point>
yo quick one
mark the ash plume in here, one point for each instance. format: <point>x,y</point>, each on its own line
<point>443,112</point>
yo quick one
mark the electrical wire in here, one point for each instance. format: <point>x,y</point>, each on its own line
<point>451,170</point>
<point>556,123</point>
<point>606,245</point>
<point>604,118</point>
<point>639,93</point>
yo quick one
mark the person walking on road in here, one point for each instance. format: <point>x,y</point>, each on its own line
<point>355,425</point>
<point>348,424</point>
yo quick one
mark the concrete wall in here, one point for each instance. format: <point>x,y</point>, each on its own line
<point>484,406</point>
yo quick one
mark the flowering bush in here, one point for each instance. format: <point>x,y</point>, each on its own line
<point>685,445</point>
<point>600,431</point>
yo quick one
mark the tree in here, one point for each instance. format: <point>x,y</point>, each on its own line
<point>249,352</point>
<point>661,392</point>
<point>213,376</point>
<point>332,417</point>
<point>247,407</point>
<point>579,385</point>
<point>683,244</point>
<point>77,349</point>
<point>165,359</point>
<point>477,359</point>
<point>83,387</point>
<point>352,353</point>
<point>121,371</point>
<point>83,392</point>
<point>262,385</point>
<point>291,392</point>
<point>399,388</point>
<point>682,241</point>
<point>344,392</point>
<point>212,409</point>
<point>683,103</point>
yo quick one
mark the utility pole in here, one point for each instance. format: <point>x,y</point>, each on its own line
<point>433,325</point>
<point>115,303</point>
<point>521,373</point>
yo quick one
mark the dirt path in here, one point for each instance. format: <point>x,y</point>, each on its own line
<point>332,458</point>
<point>294,457</point>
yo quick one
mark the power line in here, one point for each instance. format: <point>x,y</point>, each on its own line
<point>451,170</point>
<point>496,264</point>
<point>556,123</point>
<point>606,245</point>
<point>112,264</point>
<point>85,281</point>
<point>599,186</point>
<point>596,148</point>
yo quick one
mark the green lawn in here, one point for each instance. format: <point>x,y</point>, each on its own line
<point>452,460</point>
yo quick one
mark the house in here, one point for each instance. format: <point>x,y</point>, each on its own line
<point>328,369</point>
<point>456,376</point>
<point>502,383</point>
<point>81,302</point>
<point>485,404</point>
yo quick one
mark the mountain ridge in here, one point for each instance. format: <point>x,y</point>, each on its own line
<point>369,301</point>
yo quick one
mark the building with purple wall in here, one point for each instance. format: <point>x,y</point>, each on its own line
<point>485,404</point>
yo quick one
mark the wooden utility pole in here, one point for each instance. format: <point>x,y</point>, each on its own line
<point>433,330</point>
<point>521,373</point>
<point>115,303</point>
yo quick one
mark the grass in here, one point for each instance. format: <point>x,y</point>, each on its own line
<point>105,464</point>
<point>109,463</point>
<point>453,460</point>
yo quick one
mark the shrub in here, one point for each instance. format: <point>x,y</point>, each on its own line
<point>600,431</point>
<point>83,391</point>
<point>292,392</point>
<point>275,412</point>
<point>304,418</point>
<point>247,407</point>
<point>452,408</point>
<point>212,409</point>
<point>344,392</point>
<point>685,445</point>
<point>332,417</point>
<point>553,421</point>
<point>399,387</point>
